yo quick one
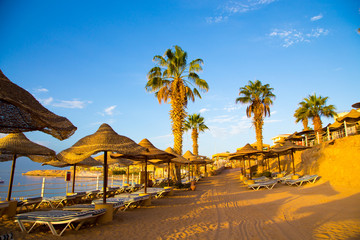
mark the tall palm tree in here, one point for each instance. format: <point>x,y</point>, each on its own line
<point>316,107</point>
<point>196,123</point>
<point>302,115</point>
<point>175,80</point>
<point>259,98</point>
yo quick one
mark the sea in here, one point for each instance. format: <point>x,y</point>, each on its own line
<point>32,186</point>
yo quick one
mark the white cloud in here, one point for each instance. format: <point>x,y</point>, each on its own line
<point>167,136</point>
<point>293,36</point>
<point>315,18</point>
<point>41,90</point>
<point>203,110</point>
<point>232,7</point>
<point>110,110</point>
<point>222,119</point>
<point>71,104</point>
<point>46,101</point>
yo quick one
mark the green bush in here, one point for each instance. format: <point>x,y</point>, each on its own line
<point>118,172</point>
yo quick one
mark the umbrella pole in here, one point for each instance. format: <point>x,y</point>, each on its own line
<point>293,161</point>
<point>146,177</point>
<point>11,178</point>
<point>105,177</point>
<point>168,174</point>
<point>249,167</point>
<point>128,174</point>
<point>73,183</point>
<point>279,162</point>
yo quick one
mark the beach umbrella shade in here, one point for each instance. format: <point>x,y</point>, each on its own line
<point>243,152</point>
<point>87,162</point>
<point>178,160</point>
<point>194,159</point>
<point>105,139</point>
<point>352,117</point>
<point>152,153</point>
<point>356,105</point>
<point>288,146</point>
<point>21,112</point>
<point>17,144</point>
<point>122,162</point>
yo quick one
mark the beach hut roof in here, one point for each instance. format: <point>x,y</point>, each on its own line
<point>104,139</point>
<point>21,112</point>
<point>193,158</point>
<point>352,116</point>
<point>240,153</point>
<point>356,105</point>
<point>287,146</point>
<point>179,159</point>
<point>19,144</point>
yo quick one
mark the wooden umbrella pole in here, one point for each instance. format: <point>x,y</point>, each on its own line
<point>249,167</point>
<point>168,174</point>
<point>11,178</point>
<point>293,161</point>
<point>128,174</point>
<point>146,177</point>
<point>73,183</point>
<point>279,162</point>
<point>105,177</point>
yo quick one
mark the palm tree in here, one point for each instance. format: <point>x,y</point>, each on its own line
<point>259,98</point>
<point>195,123</point>
<point>302,115</point>
<point>316,107</point>
<point>174,79</point>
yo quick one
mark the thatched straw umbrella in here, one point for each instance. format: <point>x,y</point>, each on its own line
<point>87,162</point>
<point>247,150</point>
<point>21,112</point>
<point>194,159</point>
<point>103,140</point>
<point>153,153</point>
<point>286,148</point>
<point>178,160</point>
<point>17,144</point>
<point>122,162</point>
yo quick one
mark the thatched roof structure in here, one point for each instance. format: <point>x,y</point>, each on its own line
<point>193,158</point>
<point>21,112</point>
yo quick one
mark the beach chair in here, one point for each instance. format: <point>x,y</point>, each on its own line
<point>71,219</point>
<point>85,207</point>
<point>91,195</point>
<point>57,201</point>
<point>304,179</point>
<point>265,184</point>
<point>29,204</point>
<point>129,201</point>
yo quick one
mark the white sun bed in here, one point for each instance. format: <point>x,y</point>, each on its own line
<point>57,217</point>
<point>301,180</point>
<point>266,184</point>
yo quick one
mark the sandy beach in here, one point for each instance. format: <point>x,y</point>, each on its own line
<point>221,207</point>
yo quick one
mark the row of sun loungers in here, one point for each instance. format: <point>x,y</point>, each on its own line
<point>76,215</point>
<point>267,183</point>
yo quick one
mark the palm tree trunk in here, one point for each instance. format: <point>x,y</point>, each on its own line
<point>194,136</point>
<point>317,125</point>
<point>259,122</point>
<point>305,123</point>
<point>177,115</point>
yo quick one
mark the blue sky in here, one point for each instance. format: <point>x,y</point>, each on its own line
<point>88,60</point>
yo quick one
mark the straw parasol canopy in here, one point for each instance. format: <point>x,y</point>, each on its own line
<point>356,105</point>
<point>179,159</point>
<point>17,144</point>
<point>244,152</point>
<point>21,112</point>
<point>87,162</point>
<point>152,154</point>
<point>352,117</point>
<point>103,140</point>
<point>193,158</point>
<point>287,147</point>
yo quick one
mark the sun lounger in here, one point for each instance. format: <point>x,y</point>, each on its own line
<point>266,184</point>
<point>29,203</point>
<point>58,201</point>
<point>57,217</point>
<point>86,207</point>
<point>129,201</point>
<point>90,195</point>
<point>305,179</point>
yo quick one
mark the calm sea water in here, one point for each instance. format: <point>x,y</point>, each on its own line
<point>30,186</point>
